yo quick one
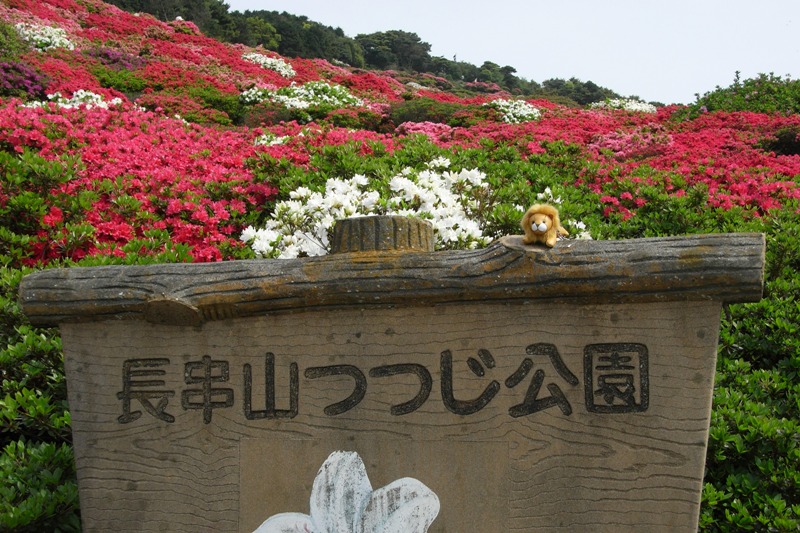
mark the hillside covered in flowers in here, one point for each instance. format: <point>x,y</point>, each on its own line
<point>124,139</point>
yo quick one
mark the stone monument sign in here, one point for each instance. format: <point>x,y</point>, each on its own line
<point>529,388</point>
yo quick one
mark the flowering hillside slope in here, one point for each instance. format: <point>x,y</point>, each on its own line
<point>124,139</point>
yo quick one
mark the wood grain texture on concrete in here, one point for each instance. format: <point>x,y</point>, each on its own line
<point>530,389</point>
<point>724,267</point>
<point>199,429</point>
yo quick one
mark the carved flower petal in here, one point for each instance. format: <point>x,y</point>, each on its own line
<point>402,506</point>
<point>287,523</point>
<point>340,493</point>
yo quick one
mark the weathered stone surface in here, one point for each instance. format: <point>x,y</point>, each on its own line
<point>726,268</point>
<point>494,469</point>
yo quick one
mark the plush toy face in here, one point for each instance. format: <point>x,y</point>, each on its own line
<point>541,223</point>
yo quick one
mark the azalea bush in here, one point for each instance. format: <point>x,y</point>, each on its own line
<point>311,100</point>
<point>44,38</point>
<point>121,142</point>
<point>626,104</point>
<point>273,63</point>
<point>428,110</point>
<point>302,225</point>
<point>117,187</point>
<point>766,93</point>
<point>514,111</point>
<point>12,45</point>
<point>20,80</point>
<point>116,59</point>
<point>38,491</point>
<point>80,98</point>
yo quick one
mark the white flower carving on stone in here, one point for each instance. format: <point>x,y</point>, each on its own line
<point>342,501</point>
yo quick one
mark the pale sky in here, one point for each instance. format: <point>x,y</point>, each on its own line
<point>659,50</point>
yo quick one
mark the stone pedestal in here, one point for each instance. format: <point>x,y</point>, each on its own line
<point>532,389</point>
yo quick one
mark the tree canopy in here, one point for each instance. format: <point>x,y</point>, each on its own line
<point>298,36</point>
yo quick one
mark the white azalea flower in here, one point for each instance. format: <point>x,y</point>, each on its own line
<point>548,196</point>
<point>515,111</point>
<point>272,63</point>
<point>360,180</point>
<point>44,38</point>
<point>445,197</point>
<point>582,233</point>
<point>270,139</point>
<point>312,93</point>
<point>342,501</point>
<point>301,193</point>
<point>80,98</point>
<point>249,233</point>
<point>628,104</point>
<point>438,162</point>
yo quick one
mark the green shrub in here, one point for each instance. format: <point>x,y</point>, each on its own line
<point>786,141</point>
<point>266,114</point>
<point>766,93</point>
<point>124,81</point>
<point>357,118</point>
<point>306,103</point>
<point>424,110</point>
<point>230,104</point>
<point>178,102</point>
<point>38,490</point>
<point>662,213</point>
<point>34,402</point>
<point>11,43</point>
<point>753,464</point>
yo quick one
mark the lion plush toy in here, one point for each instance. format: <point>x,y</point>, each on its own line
<point>541,224</point>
